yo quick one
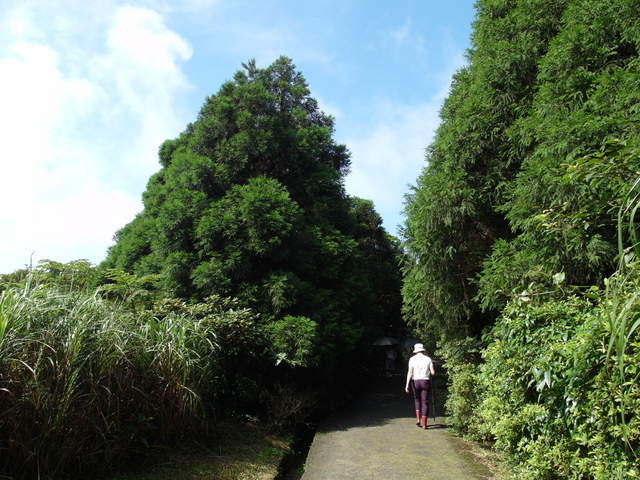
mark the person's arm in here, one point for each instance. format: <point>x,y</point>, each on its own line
<point>409,375</point>
<point>433,372</point>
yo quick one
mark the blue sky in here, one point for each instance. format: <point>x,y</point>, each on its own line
<point>90,89</point>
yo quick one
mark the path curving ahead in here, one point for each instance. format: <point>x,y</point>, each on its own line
<point>376,438</point>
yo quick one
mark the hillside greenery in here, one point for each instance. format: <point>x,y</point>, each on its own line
<point>251,279</point>
<point>241,290</point>
<point>521,235</point>
<point>249,203</point>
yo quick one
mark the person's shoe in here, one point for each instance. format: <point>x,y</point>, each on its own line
<point>423,422</point>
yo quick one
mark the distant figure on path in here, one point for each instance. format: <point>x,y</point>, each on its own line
<point>419,376</point>
<point>390,362</point>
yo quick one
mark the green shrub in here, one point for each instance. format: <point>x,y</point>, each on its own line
<point>293,340</point>
<point>550,393</point>
<point>462,364</point>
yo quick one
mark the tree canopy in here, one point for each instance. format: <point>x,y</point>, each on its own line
<point>522,237</point>
<point>250,203</point>
<point>547,82</point>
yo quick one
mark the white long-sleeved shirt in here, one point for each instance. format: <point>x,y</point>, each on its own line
<point>421,367</point>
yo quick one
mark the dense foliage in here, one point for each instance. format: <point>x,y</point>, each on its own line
<point>558,389</point>
<point>547,82</point>
<point>247,280</point>
<point>87,385</point>
<point>93,380</point>
<point>250,203</point>
<point>521,236</point>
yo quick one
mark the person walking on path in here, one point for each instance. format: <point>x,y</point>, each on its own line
<point>390,362</point>
<point>419,376</point>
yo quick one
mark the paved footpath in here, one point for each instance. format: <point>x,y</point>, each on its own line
<point>377,438</point>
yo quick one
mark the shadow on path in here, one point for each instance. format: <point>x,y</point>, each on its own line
<point>385,402</point>
<point>376,438</point>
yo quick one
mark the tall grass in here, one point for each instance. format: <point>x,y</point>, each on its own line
<point>622,316</point>
<point>85,384</point>
<point>622,309</point>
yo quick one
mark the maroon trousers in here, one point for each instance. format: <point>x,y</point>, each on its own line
<point>421,390</point>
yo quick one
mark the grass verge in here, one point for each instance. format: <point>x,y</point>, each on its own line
<point>242,451</point>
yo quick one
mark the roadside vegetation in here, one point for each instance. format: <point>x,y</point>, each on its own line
<point>240,291</point>
<point>522,238</point>
<point>251,279</point>
<point>106,379</point>
<point>87,382</point>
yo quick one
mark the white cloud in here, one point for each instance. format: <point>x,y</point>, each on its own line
<point>198,7</point>
<point>391,156</point>
<point>140,71</point>
<point>328,108</point>
<point>405,38</point>
<point>139,44</point>
<point>81,127</point>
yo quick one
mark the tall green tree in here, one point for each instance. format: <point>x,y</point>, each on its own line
<point>250,203</point>
<point>451,219</point>
<point>547,82</point>
<point>383,253</point>
<point>527,204</point>
<point>587,93</point>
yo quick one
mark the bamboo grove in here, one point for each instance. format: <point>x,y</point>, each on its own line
<point>522,236</point>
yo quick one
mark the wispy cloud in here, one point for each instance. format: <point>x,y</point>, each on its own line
<point>391,156</point>
<point>401,35</point>
<point>407,38</point>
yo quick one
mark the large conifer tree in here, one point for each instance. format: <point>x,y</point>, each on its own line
<point>250,203</point>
